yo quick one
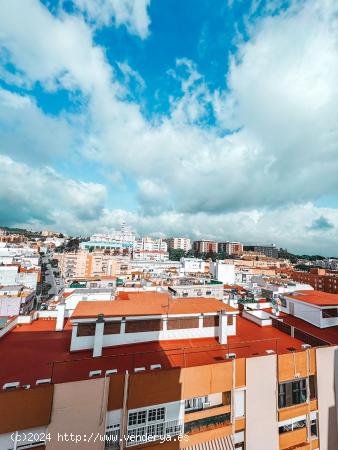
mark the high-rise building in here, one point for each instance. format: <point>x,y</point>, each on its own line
<point>179,243</point>
<point>230,248</point>
<point>270,251</point>
<point>205,246</point>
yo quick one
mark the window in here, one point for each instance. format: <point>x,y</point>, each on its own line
<point>313,386</point>
<point>208,292</point>
<point>210,321</point>
<point>314,428</point>
<point>86,329</point>
<point>182,323</point>
<point>230,320</point>
<point>195,404</point>
<point>137,418</point>
<point>156,414</point>
<point>328,313</point>
<point>292,393</point>
<point>292,426</point>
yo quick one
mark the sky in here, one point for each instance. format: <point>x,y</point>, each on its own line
<point>211,119</point>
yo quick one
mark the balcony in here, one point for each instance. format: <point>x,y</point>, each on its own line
<point>207,423</point>
<point>292,438</point>
<point>205,413</point>
<point>151,433</point>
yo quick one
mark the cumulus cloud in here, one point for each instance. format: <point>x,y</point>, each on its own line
<point>131,13</point>
<point>41,196</point>
<point>272,153</point>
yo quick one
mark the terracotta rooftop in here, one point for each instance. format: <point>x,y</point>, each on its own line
<point>149,303</point>
<point>317,298</point>
<point>35,351</point>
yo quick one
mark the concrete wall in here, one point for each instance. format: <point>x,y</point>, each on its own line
<point>261,403</point>
<point>79,408</point>
<point>327,385</point>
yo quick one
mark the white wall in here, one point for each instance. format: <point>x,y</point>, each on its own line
<point>223,272</point>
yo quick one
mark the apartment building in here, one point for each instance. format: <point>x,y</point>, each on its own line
<point>230,248</point>
<point>319,279</point>
<point>85,264</point>
<point>193,265</point>
<point>149,244</point>
<point>189,373</point>
<point>194,287</point>
<point>268,250</point>
<point>179,243</point>
<point>150,255</point>
<point>205,246</point>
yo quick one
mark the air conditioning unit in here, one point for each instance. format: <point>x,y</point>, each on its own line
<point>26,386</point>
<point>111,371</point>
<point>230,355</point>
<point>139,369</point>
<point>13,385</point>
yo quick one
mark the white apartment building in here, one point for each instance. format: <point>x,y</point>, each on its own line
<point>192,265</point>
<point>150,255</point>
<point>151,245</point>
<point>179,243</point>
<point>222,271</point>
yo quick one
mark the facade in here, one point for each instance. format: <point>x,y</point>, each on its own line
<point>150,244</point>
<point>165,394</point>
<point>150,255</point>
<point>205,246</point>
<point>179,243</point>
<point>85,264</point>
<point>192,265</point>
<point>223,271</point>
<point>268,250</point>
<point>230,248</point>
<point>319,279</point>
<point>194,288</point>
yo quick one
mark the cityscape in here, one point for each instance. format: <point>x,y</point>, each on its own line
<point>168,224</point>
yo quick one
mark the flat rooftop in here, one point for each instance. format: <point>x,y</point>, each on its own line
<point>35,351</point>
<point>317,298</point>
<point>149,304</point>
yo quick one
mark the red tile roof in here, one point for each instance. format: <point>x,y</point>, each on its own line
<point>317,298</point>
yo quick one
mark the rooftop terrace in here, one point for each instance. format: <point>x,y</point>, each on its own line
<point>35,351</point>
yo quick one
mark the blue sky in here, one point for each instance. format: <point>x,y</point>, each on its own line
<point>201,118</point>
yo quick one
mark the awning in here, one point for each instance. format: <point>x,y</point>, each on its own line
<point>223,443</point>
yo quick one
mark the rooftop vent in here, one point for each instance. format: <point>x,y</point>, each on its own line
<point>269,352</point>
<point>111,371</point>
<point>26,386</point>
<point>139,369</point>
<point>230,355</point>
<point>94,373</point>
<point>155,366</point>
<point>304,346</point>
<point>13,385</point>
<point>43,381</point>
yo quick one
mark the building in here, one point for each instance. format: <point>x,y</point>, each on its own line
<point>85,264</point>
<point>150,255</point>
<point>223,271</point>
<point>205,246</point>
<point>192,265</point>
<point>122,240</point>
<point>150,244</point>
<point>192,287</point>
<point>179,243</point>
<point>319,279</point>
<point>268,250</point>
<point>230,248</point>
<point>316,307</point>
<point>190,373</point>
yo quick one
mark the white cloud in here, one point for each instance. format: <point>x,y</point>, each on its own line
<point>131,13</point>
<point>282,106</point>
<point>26,131</point>
<point>34,196</point>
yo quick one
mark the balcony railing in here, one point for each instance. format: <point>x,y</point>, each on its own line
<point>208,422</point>
<point>153,432</point>
<point>112,439</point>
